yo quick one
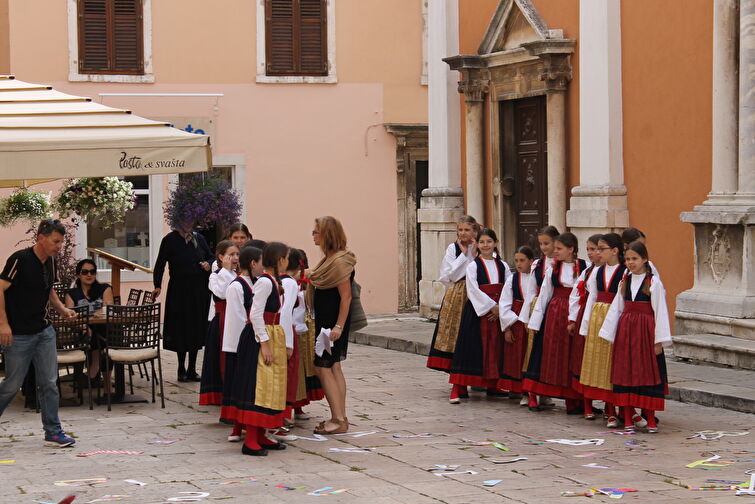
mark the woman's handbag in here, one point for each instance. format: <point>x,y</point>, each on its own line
<point>358,319</point>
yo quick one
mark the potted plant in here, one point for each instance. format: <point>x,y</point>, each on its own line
<point>106,199</point>
<point>25,205</point>
<point>203,200</point>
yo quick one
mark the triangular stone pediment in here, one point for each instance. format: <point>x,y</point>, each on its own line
<point>515,22</point>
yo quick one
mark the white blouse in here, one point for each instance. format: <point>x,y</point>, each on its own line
<point>300,314</point>
<point>481,302</point>
<point>290,289</point>
<point>452,268</point>
<point>546,292</point>
<point>505,313</point>
<point>574,294</point>
<point>530,290</point>
<point>657,301</point>
<point>592,296</point>
<point>235,315</point>
<point>263,287</point>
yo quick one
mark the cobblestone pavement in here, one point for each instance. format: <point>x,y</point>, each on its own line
<point>391,393</point>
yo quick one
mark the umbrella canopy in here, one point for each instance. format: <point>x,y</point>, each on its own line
<point>46,134</point>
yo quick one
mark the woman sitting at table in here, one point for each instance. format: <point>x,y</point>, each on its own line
<point>89,292</point>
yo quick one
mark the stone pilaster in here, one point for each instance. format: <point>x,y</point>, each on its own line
<point>475,90</point>
<point>599,203</point>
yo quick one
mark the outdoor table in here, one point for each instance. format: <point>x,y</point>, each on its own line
<point>120,396</point>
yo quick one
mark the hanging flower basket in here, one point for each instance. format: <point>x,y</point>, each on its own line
<point>203,201</point>
<point>105,199</point>
<point>25,205</point>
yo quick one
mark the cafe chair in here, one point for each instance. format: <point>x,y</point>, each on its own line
<point>133,297</point>
<point>148,297</point>
<point>73,343</point>
<point>132,337</point>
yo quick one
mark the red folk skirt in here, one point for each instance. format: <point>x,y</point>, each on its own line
<point>513,354</point>
<point>549,374</point>
<point>292,377</point>
<point>478,353</point>
<point>638,374</point>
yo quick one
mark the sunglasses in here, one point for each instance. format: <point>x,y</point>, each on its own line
<point>88,272</point>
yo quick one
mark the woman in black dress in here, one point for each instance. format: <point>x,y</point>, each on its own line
<point>330,291</point>
<point>188,299</point>
<point>89,292</point>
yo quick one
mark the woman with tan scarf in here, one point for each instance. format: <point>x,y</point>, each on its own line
<point>330,296</point>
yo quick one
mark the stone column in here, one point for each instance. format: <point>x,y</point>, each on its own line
<point>746,187</point>
<point>443,202</point>
<point>725,100</point>
<point>474,96</point>
<point>599,202</point>
<point>556,130</point>
<point>718,313</point>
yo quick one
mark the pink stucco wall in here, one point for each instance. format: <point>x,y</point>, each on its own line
<point>309,149</point>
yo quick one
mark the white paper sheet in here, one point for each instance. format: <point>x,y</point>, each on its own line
<point>323,343</point>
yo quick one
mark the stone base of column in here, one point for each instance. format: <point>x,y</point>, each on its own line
<point>440,209</point>
<point>597,209</point>
<point>715,320</point>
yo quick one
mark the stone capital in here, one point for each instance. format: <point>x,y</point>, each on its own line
<point>557,72</point>
<point>474,90</point>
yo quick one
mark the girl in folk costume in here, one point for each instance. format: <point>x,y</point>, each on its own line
<point>632,234</point>
<point>453,270</point>
<point>305,333</point>
<point>237,326</point>
<point>577,304</point>
<point>548,369</point>
<point>477,356</point>
<point>259,383</point>
<point>213,363</point>
<point>239,234</point>
<point>595,375</point>
<point>514,331</point>
<point>638,326</point>
<point>546,238</point>
<point>295,389</point>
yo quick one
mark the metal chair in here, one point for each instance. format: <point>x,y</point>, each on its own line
<point>73,341</point>
<point>132,338</point>
<point>133,297</point>
<point>148,297</point>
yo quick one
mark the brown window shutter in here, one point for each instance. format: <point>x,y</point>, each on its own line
<point>127,37</point>
<point>280,41</point>
<point>111,39</point>
<point>93,36</point>
<point>296,37</point>
<point>313,40</point>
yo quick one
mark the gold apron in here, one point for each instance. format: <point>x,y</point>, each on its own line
<point>307,348</point>
<point>271,379</point>
<point>301,386</point>
<point>449,317</point>
<point>530,339</point>
<point>598,355</point>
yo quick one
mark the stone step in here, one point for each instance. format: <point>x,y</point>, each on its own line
<point>726,350</point>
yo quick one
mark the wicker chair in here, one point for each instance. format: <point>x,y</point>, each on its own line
<point>132,338</point>
<point>73,342</point>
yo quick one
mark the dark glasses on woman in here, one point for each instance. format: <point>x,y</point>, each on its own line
<point>88,272</point>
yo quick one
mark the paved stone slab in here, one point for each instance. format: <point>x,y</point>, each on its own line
<point>391,393</point>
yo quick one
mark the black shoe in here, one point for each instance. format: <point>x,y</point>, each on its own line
<point>225,421</point>
<point>535,408</point>
<point>276,446</point>
<point>496,393</point>
<point>193,377</point>
<point>182,376</point>
<point>257,453</point>
<point>580,410</point>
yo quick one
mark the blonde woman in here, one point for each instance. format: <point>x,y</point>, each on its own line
<point>330,296</point>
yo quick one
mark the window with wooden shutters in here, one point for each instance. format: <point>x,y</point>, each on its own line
<point>296,37</point>
<point>111,37</point>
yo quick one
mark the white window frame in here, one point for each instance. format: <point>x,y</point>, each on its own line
<point>155,192</point>
<point>73,50</point>
<point>262,76</point>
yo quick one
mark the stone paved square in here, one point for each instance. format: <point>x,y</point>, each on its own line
<point>389,392</point>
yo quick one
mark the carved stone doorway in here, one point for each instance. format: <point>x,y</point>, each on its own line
<point>412,179</point>
<point>524,170</point>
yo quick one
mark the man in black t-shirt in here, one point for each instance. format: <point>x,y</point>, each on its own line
<point>25,333</point>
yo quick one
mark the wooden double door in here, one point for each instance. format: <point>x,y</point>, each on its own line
<point>524,173</point>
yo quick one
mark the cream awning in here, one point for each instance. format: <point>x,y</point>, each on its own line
<point>46,134</point>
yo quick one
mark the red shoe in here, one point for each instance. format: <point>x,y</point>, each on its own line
<point>458,392</point>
